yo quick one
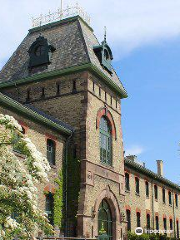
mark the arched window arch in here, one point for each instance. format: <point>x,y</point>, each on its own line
<point>105,219</point>
<point>105,141</point>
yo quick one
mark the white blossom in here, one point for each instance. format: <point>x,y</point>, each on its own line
<point>18,181</point>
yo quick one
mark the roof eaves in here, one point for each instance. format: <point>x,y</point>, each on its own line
<point>88,66</point>
<point>120,90</point>
<point>143,170</point>
<point>24,110</point>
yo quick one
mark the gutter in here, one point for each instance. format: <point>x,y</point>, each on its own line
<point>120,91</point>
<point>149,173</point>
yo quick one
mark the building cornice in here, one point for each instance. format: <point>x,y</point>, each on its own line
<point>89,66</point>
<point>32,115</point>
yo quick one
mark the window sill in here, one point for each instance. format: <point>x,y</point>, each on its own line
<point>170,205</point>
<point>107,166</point>
<point>156,200</point>
<point>137,194</point>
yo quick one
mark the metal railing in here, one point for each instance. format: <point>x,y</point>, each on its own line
<point>61,14</point>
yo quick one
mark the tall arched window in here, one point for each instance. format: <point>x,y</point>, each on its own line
<point>49,208</point>
<point>128,219</point>
<point>105,142</point>
<point>51,149</point>
<point>127,185</point>
<point>105,219</point>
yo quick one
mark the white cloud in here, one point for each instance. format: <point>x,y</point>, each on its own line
<point>130,23</point>
<point>134,150</point>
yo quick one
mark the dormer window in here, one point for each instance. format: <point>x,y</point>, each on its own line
<point>40,52</point>
<point>104,54</point>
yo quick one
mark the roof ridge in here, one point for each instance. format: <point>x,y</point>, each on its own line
<point>84,41</point>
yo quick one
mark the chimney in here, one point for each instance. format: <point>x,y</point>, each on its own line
<point>159,167</point>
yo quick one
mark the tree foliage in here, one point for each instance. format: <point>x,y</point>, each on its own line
<point>19,212</point>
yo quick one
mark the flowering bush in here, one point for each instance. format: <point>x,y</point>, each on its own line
<point>19,212</point>
<point>133,236</point>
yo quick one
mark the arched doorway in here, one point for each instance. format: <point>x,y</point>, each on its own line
<point>105,223</point>
<point>107,200</point>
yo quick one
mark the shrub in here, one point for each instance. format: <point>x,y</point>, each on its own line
<point>133,236</point>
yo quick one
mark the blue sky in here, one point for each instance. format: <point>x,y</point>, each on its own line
<point>145,39</point>
<point>150,116</point>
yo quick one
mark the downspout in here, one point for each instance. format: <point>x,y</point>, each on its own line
<point>174,215</point>
<point>66,186</point>
<point>152,189</point>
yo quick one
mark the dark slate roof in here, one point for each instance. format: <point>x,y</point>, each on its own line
<point>141,169</point>
<point>35,114</point>
<point>74,41</point>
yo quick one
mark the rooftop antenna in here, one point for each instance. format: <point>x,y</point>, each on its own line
<point>105,33</point>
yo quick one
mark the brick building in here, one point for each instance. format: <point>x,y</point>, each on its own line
<point>151,199</point>
<point>61,87</point>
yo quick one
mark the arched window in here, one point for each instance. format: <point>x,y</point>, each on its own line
<point>170,198</point>
<point>40,50</point>
<point>177,228</point>
<point>164,195</point>
<point>127,185</point>
<point>138,217</point>
<point>105,219</point>
<point>49,208</point>
<point>171,224</point>
<point>105,142</point>
<point>156,192</point>
<point>137,185</point>
<point>128,219</point>
<point>165,223</point>
<point>176,200</point>
<point>148,220</point>
<point>147,189</point>
<point>51,148</point>
<point>157,223</point>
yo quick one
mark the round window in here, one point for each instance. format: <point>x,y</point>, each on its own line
<point>40,50</point>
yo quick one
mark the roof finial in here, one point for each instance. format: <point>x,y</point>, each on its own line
<point>61,6</point>
<point>105,33</point>
<point>40,33</point>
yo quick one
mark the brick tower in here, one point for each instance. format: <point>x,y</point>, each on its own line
<point>61,69</point>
